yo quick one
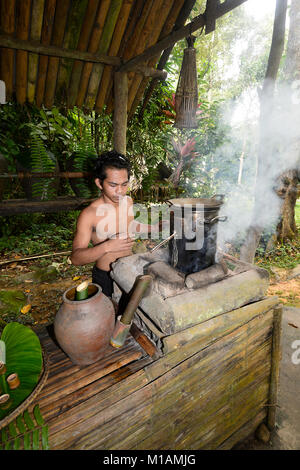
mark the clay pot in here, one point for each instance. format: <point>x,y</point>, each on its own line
<point>83,328</point>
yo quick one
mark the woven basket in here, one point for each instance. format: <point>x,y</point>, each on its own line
<point>24,405</point>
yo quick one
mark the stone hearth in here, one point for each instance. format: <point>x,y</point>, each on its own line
<point>177,301</point>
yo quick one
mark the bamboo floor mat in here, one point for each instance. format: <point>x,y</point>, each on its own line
<point>70,387</point>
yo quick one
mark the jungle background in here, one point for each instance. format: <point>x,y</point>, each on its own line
<point>219,156</point>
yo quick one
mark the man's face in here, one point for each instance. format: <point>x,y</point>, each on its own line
<point>115,185</point>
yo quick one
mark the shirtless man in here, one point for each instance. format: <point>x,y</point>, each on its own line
<point>107,222</point>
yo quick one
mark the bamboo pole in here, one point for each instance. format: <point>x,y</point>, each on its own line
<point>23,15</point>
<point>120,113</point>
<point>113,51</point>
<point>182,17</point>
<point>73,28</point>
<point>82,46</point>
<point>151,32</point>
<point>93,47</point>
<point>35,34</point>
<point>62,7</point>
<point>166,29</point>
<point>276,357</point>
<point>104,44</point>
<point>181,33</point>
<point>48,20</point>
<point>7,11</point>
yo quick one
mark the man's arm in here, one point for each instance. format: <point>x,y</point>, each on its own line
<point>82,253</point>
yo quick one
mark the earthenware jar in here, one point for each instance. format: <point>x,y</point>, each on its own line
<point>83,328</point>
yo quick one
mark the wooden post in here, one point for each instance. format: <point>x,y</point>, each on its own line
<point>276,356</point>
<point>120,111</point>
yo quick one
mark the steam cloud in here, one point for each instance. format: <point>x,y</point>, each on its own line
<point>281,151</point>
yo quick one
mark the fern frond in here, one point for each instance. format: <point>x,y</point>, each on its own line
<point>27,432</point>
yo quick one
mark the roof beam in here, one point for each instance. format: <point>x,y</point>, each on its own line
<point>10,42</point>
<point>197,23</point>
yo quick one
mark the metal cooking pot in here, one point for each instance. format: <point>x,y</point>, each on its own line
<point>194,220</point>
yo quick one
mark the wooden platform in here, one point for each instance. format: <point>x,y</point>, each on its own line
<point>213,385</point>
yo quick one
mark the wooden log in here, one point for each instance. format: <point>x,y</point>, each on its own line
<point>276,357</point>
<point>76,16</point>
<point>48,21</point>
<point>181,33</point>
<point>214,328</point>
<point>62,7</point>
<point>144,342</point>
<point>113,51</point>
<point>25,206</point>
<point>23,15</point>
<point>120,114</point>
<point>104,44</point>
<point>83,42</point>
<point>7,11</point>
<point>35,34</point>
<point>50,174</point>
<point>93,47</point>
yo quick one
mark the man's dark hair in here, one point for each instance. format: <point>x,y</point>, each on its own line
<point>111,159</point>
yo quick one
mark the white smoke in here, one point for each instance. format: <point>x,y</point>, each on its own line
<point>280,153</point>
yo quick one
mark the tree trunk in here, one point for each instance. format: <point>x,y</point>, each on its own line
<point>265,155</point>
<point>286,228</point>
<point>287,187</point>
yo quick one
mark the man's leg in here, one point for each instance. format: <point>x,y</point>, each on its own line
<point>103,279</point>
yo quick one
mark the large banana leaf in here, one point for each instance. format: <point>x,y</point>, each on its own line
<point>24,357</point>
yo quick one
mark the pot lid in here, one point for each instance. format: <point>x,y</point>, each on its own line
<point>206,202</point>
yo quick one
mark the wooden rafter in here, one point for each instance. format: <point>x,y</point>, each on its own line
<point>181,33</point>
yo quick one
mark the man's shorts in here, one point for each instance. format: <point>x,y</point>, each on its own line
<point>103,279</point>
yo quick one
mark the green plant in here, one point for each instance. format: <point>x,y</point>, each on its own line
<point>42,160</point>
<point>26,431</point>
<point>23,357</point>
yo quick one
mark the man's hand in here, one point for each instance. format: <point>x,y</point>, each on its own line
<point>114,245</point>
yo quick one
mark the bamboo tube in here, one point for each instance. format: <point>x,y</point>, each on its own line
<point>104,44</point>
<point>4,398</point>
<point>13,381</point>
<point>7,12</point>
<point>62,7</point>
<point>142,284</point>
<point>82,47</point>
<point>23,14</point>
<point>93,47</point>
<point>71,38</point>
<point>276,357</point>
<point>113,51</point>
<point>2,352</point>
<point>82,291</point>
<point>48,20</point>
<point>35,34</point>
<point>2,368</point>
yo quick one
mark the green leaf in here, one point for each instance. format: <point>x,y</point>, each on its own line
<point>17,443</point>
<point>35,439</point>
<point>27,441</point>
<point>8,445</point>
<point>45,443</point>
<point>20,424</point>
<point>24,357</point>
<point>4,435</point>
<point>27,418</point>
<point>12,430</point>
<point>37,414</point>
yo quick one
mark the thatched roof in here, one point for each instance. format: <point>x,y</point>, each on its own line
<point>64,52</point>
